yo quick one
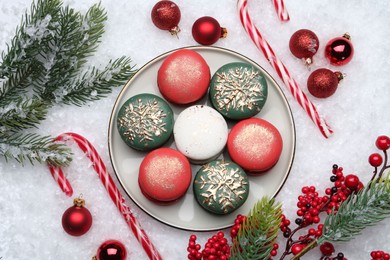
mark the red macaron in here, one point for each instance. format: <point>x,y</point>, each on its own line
<point>164,175</point>
<point>255,144</point>
<point>183,77</point>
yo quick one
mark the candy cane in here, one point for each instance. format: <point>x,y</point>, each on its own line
<point>281,10</point>
<point>280,69</point>
<point>110,186</point>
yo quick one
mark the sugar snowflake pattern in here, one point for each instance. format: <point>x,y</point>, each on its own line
<point>222,185</point>
<point>143,120</point>
<point>239,88</point>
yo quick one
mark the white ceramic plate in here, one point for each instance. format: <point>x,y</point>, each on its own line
<point>186,213</point>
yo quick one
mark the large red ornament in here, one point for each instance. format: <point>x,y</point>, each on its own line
<point>339,51</point>
<point>166,16</point>
<point>322,83</point>
<point>111,250</point>
<point>206,30</point>
<point>77,220</point>
<point>304,44</point>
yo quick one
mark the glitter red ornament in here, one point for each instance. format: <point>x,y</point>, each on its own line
<point>111,250</point>
<point>339,51</point>
<point>322,83</point>
<point>304,45</point>
<point>166,16</point>
<point>77,220</point>
<point>206,30</point>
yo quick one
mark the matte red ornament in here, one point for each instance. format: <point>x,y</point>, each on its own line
<point>111,250</point>
<point>304,45</point>
<point>166,16</point>
<point>77,220</point>
<point>206,30</point>
<point>339,51</point>
<point>322,83</point>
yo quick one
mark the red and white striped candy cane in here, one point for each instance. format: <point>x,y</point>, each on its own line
<point>110,186</point>
<point>281,69</point>
<point>281,10</point>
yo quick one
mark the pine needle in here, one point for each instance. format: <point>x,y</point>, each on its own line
<point>34,148</point>
<point>96,84</point>
<point>259,230</point>
<point>366,208</point>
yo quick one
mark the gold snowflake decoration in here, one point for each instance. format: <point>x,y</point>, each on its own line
<point>143,120</point>
<point>239,88</point>
<point>222,185</point>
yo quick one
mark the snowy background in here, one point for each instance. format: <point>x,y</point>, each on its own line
<point>31,204</point>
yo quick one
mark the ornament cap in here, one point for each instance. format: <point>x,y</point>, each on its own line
<point>224,32</point>
<point>340,76</point>
<point>308,61</point>
<point>80,202</point>
<point>347,36</point>
<point>175,30</point>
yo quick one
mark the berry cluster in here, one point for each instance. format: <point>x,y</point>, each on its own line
<point>343,187</point>
<point>311,204</point>
<point>376,160</point>
<point>379,255</point>
<point>237,224</point>
<point>217,247</point>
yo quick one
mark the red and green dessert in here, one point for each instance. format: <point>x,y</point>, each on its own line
<point>221,187</point>
<point>145,122</point>
<point>183,77</point>
<point>255,144</point>
<point>238,90</point>
<point>164,175</point>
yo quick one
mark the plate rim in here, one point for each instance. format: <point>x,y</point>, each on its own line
<point>140,70</point>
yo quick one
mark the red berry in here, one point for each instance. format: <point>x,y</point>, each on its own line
<point>351,181</point>
<point>383,142</point>
<point>327,249</point>
<point>375,159</point>
<point>296,248</point>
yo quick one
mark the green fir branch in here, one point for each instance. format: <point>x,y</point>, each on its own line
<point>96,84</point>
<point>258,231</point>
<point>76,38</point>
<point>22,114</point>
<point>367,208</point>
<point>43,65</point>
<point>18,62</point>
<point>34,148</point>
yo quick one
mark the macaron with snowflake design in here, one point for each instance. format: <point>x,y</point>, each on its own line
<point>238,90</point>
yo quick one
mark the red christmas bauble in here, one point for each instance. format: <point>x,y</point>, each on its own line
<point>111,250</point>
<point>206,30</point>
<point>339,51</point>
<point>77,220</point>
<point>166,16</point>
<point>304,44</point>
<point>322,83</point>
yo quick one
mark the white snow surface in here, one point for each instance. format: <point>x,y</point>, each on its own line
<point>31,203</point>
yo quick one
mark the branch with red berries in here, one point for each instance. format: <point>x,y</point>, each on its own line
<point>349,207</point>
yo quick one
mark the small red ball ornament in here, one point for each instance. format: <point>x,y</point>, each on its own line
<point>322,83</point>
<point>111,250</point>
<point>339,51</point>
<point>166,16</point>
<point>304,44</point>
<point>206,30</point>
<point>77,220</point>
